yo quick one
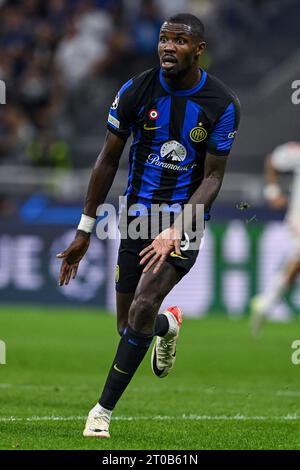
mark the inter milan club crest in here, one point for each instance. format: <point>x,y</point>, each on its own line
<point>198,134</point>
<point>153,114</point>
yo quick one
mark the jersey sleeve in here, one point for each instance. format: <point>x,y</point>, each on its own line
<point>121,115</point>
<point>224,131</point>
<point>286,157</point>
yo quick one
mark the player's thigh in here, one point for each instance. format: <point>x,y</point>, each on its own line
<point>157,286</point>
<point>128,274</point>
<point>129,270</point>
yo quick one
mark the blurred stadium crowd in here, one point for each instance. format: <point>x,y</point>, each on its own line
<point>63,60</point>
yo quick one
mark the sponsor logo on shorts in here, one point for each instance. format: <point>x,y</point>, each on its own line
<point>173,254</point>
<point>185,244</point>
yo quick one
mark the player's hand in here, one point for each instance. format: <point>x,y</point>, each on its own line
<point>279,202</point>
<point>166,242</point>
<point>72,257</point>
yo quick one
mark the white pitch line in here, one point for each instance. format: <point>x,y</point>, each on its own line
<point>237,417</point>
<point>288,393</point>
<point>204,390</point>
<point>44,387</point>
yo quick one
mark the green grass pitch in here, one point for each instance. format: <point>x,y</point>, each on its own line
<point>227,391</point>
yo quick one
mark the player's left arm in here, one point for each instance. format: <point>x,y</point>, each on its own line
<point>219,145</point>
<point>208,190</point>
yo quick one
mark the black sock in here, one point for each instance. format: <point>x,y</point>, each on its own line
<point>131,351</point>
<point>161,325</point>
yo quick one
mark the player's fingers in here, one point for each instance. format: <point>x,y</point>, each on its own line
<point>63,254</point>
<point>68,275</point>
<point>63,277</point>
<point>72,270</point>
<point>160,263</point>
<point>75,269</point>
<point>151,262</point>
<point>61,280</point>
<point>177,247</point>
<point>147,256</point>
<point>145,250</point>
<point>63,271</point>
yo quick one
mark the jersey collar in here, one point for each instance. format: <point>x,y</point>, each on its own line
<point>191,91</point>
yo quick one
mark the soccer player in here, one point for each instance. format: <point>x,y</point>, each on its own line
<point>284,158</point>
<point>184,122</point>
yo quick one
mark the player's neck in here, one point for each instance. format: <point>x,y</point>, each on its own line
<point>185,82</point>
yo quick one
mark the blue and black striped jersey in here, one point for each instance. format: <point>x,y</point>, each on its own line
<point>173,130</point>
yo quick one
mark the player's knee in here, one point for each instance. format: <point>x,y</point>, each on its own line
<point>145,304</point>
<point>143,311</point>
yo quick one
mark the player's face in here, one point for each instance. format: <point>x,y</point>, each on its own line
<point>178,49</point>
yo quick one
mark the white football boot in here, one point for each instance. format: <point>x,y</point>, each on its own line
<point>164,351</point>
<point>97,423</point>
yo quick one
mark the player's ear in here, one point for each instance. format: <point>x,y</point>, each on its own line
<point>200,48</point>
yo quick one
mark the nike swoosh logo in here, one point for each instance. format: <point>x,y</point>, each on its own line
<point>119,370</point>
<point>173,254</point>
<point>151,128</point>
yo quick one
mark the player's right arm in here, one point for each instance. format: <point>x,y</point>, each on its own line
<point>100,183</point>
<point>103,173</point>
<point>121,118</point>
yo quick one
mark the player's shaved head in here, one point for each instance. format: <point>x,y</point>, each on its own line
<point>190,24</point>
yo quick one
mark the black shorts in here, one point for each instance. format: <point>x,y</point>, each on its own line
<point>129,270</point>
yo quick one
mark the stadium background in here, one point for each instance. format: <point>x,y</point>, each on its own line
<point>62,62</point>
